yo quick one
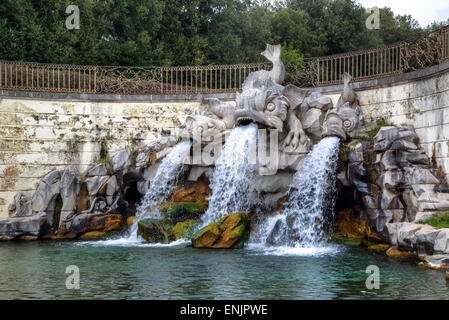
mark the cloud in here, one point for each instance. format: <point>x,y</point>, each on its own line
<point>425,12</point>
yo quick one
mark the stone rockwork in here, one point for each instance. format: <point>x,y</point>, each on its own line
<point>68,205</point>
<point>396,186</point>
<point>230,232</point>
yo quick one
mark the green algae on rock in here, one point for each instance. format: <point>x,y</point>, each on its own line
<point>230,232</point>
<point>156,230</point>
<point>185,229</point>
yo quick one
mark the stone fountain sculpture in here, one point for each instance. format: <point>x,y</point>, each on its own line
<point>265,102</point>
<point>68,204</point>
<point>347,118</point>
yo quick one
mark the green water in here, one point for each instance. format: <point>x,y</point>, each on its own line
<point>36,270</point>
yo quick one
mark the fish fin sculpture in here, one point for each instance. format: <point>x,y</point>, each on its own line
<point>348,95</point>
<point>259,80</point>
<point>273,53</point>
<point>223,111</point>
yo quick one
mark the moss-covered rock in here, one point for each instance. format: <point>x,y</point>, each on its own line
<point>395,252</point>
<point>379,247</point>
<point>93,235</point>
<point>178,212</point>
<point>343,239</point>
<point>353,229</point>
<point>197,193</point>
<point>156,230</point>
<point>230,232</point>
<point>130,220</point>
<point>185,229</point>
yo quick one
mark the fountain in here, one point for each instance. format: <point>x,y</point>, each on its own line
<point>309,209</point>
<point>231,179</point>
<point>163,184</point>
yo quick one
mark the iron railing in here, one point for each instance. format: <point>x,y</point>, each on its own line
<point>124,80</point>
<point>362,65</point>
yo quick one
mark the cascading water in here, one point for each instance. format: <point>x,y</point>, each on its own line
<point>163,184</point>
<point>230,183</point>
<point>301,224</point>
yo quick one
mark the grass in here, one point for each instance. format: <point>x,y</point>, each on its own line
<point>106,160</point>
<point>379,124</point>
<point>437,220</point>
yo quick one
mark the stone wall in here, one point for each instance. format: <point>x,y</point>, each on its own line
<point>41,134</point>
<point>44,131</point>
<point>419,98</point>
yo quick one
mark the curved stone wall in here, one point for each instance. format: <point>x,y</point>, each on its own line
<point>41,134</point>
<point>418,98</point>
<point>44,131</point>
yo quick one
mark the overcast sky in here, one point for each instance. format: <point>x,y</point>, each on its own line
<point>425,11</point>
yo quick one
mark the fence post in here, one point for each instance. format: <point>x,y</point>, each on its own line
<point>95,79</point>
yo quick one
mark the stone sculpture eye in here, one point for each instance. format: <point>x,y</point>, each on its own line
<point>347,124</point>
<point>271,106</point>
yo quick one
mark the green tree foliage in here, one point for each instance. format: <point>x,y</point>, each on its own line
<point>191,32</point>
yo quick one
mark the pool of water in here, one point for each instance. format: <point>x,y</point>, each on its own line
<point>114,270</point>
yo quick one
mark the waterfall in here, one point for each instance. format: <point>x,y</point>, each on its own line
<point>230,183</point>
<point>164,182</point>
<point>302,222</point>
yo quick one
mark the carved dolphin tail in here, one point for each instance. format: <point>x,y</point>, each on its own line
<point>273,53</point>
<point>346,78</point>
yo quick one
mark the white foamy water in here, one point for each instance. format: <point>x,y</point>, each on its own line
<point>262,249</point>
<point>301,225</point>
<point>127,242</point>
<point>230,183</point>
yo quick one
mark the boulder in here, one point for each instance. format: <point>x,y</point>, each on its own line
<point>359,177</point>
<point>195,193</point>
<point>92,235</point>
<point>412,236</point>
<point>355,152</point>
<point>120,159</point>
<point>438,261</point>
<point>441,244</point>
<point>185,229</point>
<point>130,220</point>
<point>22,227</point>
<point>86,222</point>
<point>403,145</point>
<point>379,247</point>
<point>352,227</point>
<point>156,230</point>
<point>178,212</point>
<point>230,232</point>
<point>385,138</point>
<point>395,252</point>
<point>100,169</point>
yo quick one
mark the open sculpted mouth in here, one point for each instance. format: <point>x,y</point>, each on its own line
<point>247,116</point>
<point>243,121</point>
